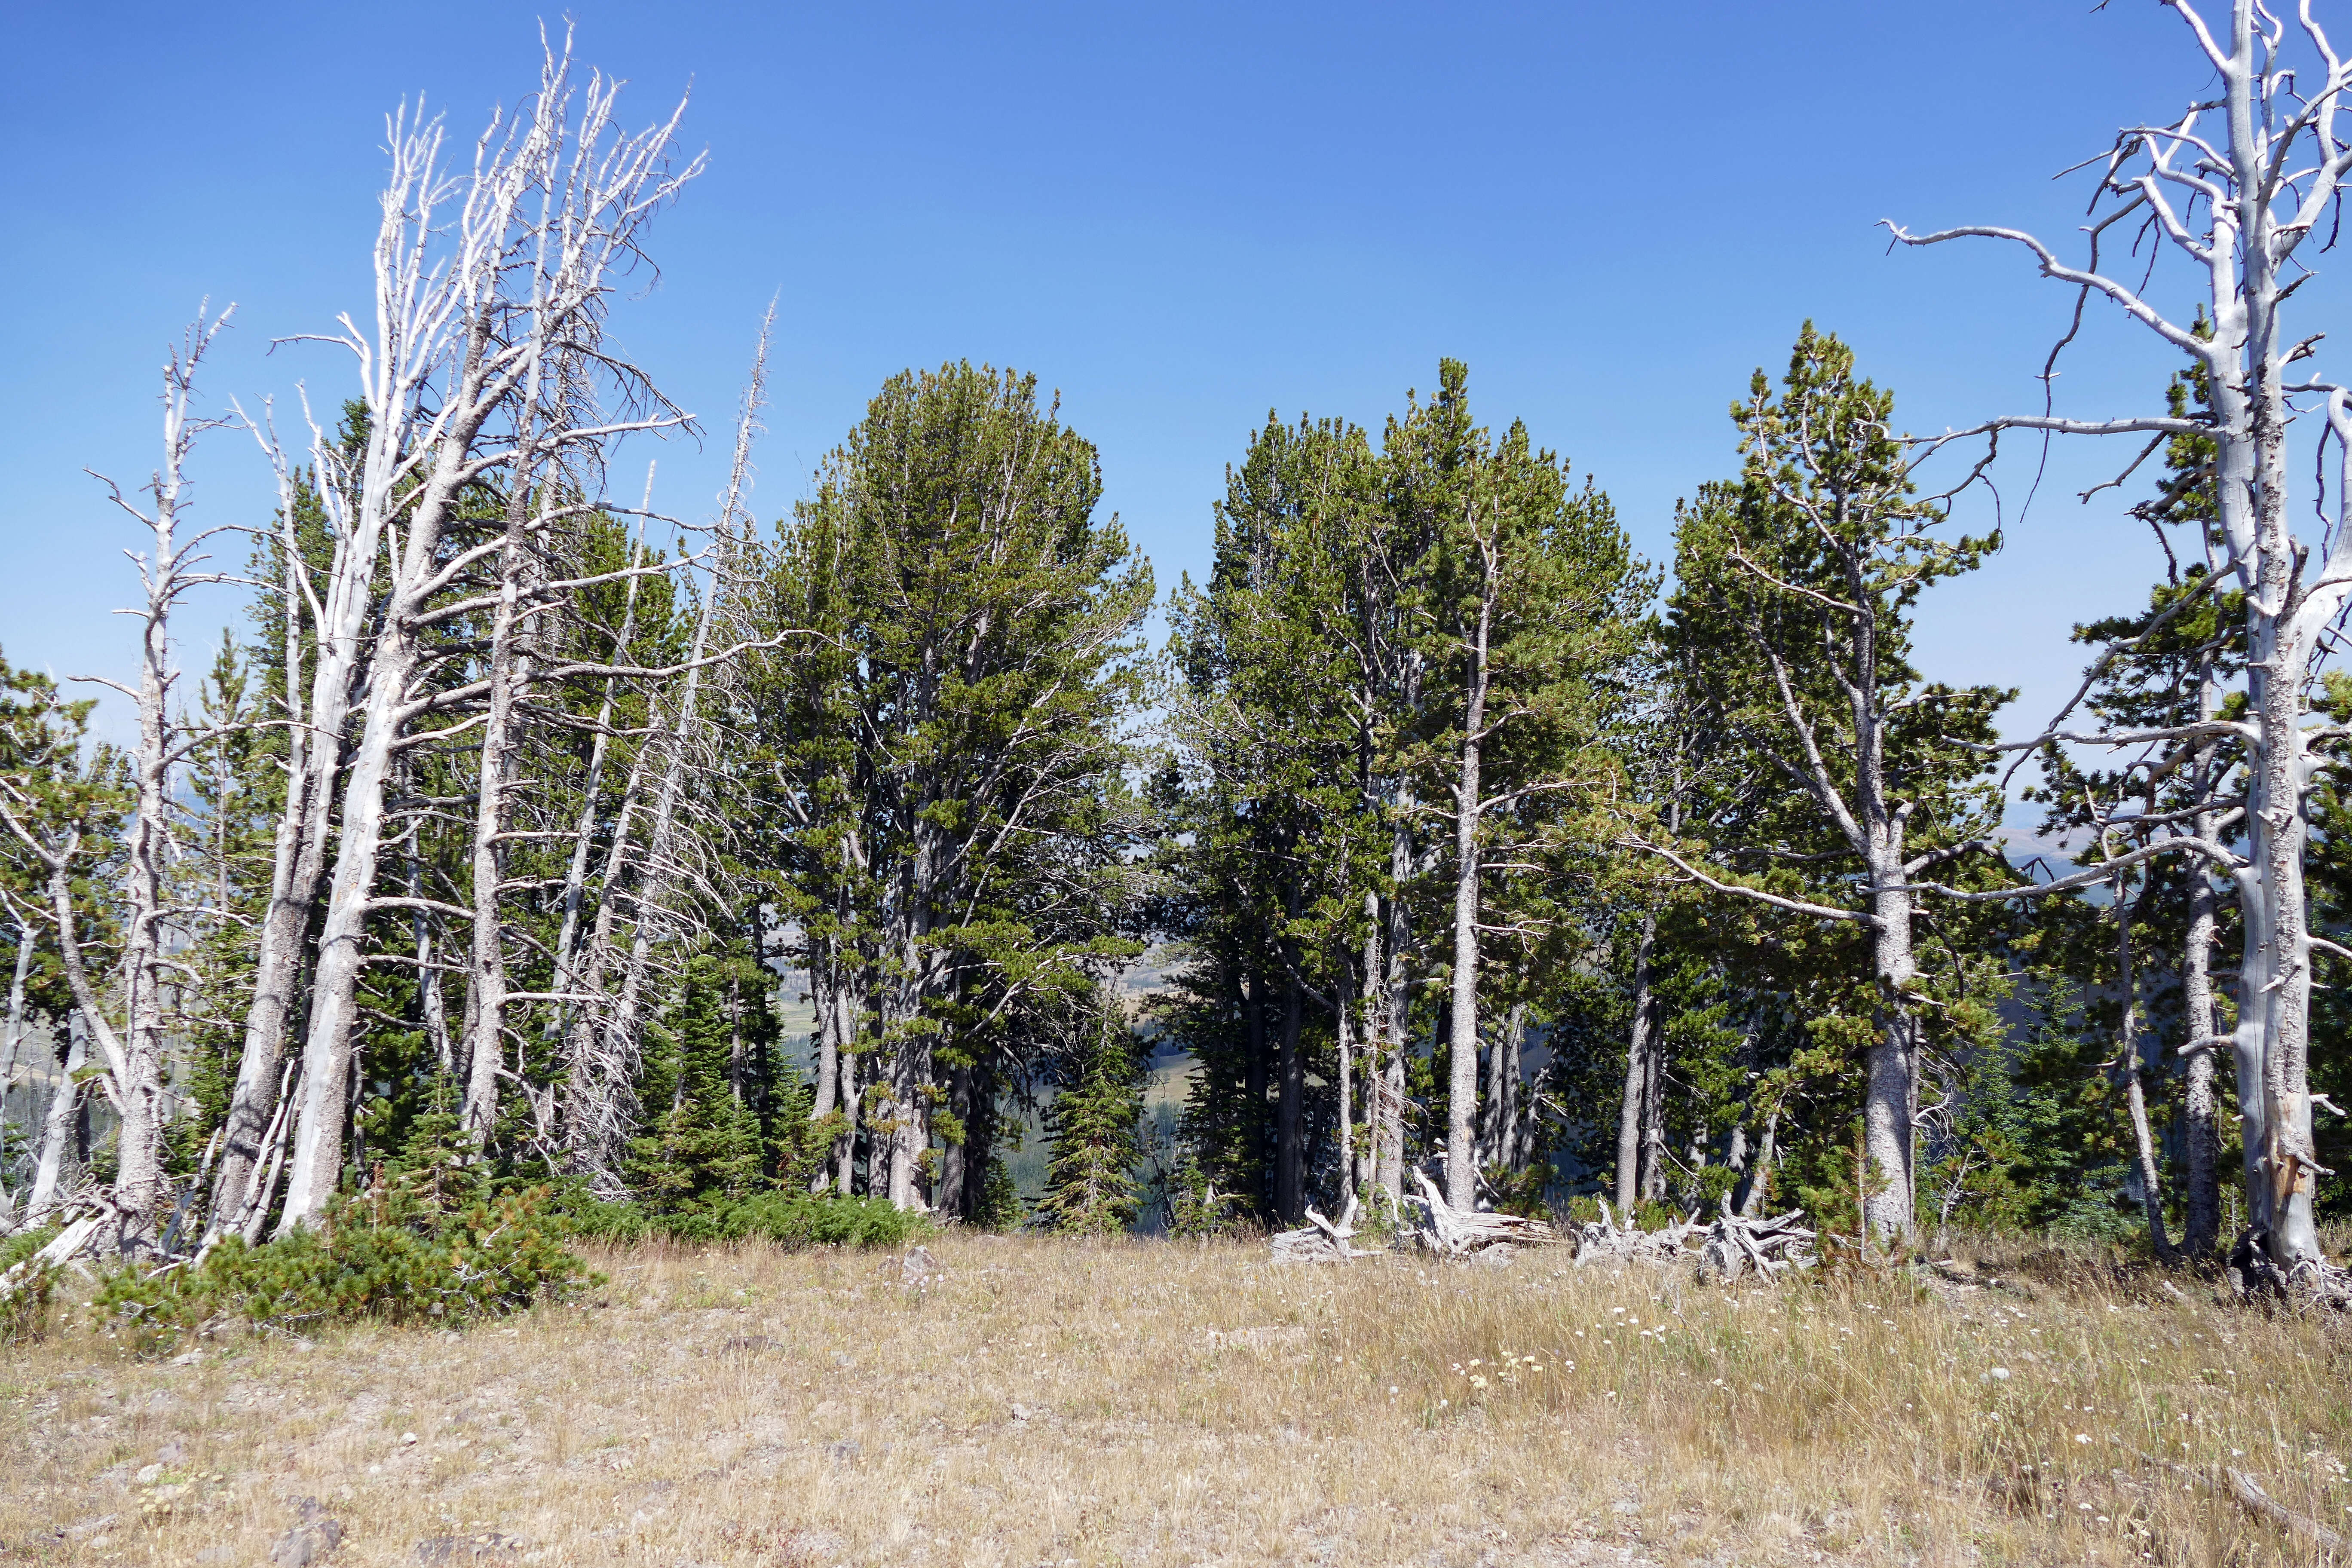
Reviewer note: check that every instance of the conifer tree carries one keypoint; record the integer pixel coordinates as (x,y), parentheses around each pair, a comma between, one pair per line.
(952,787)
(1092,1187)
(1796,590)
(701,1146)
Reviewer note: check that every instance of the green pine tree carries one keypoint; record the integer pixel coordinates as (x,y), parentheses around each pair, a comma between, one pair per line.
(1091,1186)
(701,1148)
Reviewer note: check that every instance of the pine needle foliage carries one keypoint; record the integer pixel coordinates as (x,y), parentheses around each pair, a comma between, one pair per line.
(1091,1186)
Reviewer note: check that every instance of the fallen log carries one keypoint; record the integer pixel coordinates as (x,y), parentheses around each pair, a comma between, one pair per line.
(2250,1496)
(1458,1232)
(1319,1240)
(1731,1246)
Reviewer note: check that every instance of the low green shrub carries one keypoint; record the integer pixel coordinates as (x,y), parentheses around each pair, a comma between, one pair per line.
(25,1304)
(388,1253)
(1198,1212)
(787,1219)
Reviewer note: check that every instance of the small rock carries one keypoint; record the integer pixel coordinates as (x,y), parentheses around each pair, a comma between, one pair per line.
(311,1540)
(1021,1413)
(844,1451)
(172,1452)
(188,1357)
(919,1270)
(406,1438)
(747,1344)
(149,1475)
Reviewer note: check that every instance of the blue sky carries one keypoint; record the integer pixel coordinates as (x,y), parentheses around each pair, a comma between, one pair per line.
(1180,216)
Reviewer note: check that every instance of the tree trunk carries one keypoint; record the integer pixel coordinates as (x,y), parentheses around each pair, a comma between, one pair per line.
(2128,1050)
(2201,1022)
(332,1042)
(1289,1144)
(1891,1067)
(1343,1035)
(598,1069)
(957,1186)
(56,1133)
(15,1034)
(1759,1170)
(845,1147)
(1630,1114)
(1389,1156)
(1462,1085)
(299,849)
(568,937)
(1519,1087)
(509,674)
(826,1040)
(432,1008)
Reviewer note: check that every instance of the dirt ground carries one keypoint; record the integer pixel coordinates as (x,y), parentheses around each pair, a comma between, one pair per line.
(1043,1402)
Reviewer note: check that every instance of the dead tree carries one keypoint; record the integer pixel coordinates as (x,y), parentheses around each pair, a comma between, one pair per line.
(678,737)
(134,1054)
(552,215)
(2243,187)
(572,998)
(335,621)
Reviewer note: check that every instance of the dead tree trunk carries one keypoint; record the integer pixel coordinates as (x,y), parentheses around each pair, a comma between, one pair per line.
(2237,188)
(678,739)
(2127,1057)
(1633,1112)
(314,750)
(57,1132)
(2201,1028)
(457,317)
(1469,805)
(509,676)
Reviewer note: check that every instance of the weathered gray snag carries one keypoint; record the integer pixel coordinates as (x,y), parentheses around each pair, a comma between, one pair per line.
(2236,189)
(554,211)
(133,1055)
(677,740)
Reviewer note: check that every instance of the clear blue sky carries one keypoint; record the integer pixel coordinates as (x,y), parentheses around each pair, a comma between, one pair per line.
(1179,216)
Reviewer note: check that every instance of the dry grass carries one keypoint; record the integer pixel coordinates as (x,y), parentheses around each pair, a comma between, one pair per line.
(1060,1404)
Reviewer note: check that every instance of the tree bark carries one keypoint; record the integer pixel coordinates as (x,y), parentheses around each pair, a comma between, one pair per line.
(1289,1144)
(1395,1019)
(1630,1112)
(2200,1021)
(15,1033)
(1469,804)
(1759,1170)
(569,1010)
(509,674)
(1891,1069)
(56,1133)
(314,747)
(1343,1030)
(2128,1050)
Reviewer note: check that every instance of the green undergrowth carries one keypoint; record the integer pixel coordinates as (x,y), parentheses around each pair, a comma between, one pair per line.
(25,1298)
(394,1253)
(785,1219)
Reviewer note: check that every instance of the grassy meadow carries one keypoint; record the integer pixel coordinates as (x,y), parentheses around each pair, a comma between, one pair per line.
(1047,1402)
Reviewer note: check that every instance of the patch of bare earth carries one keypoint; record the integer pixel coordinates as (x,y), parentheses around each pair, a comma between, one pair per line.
(1069,1404)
